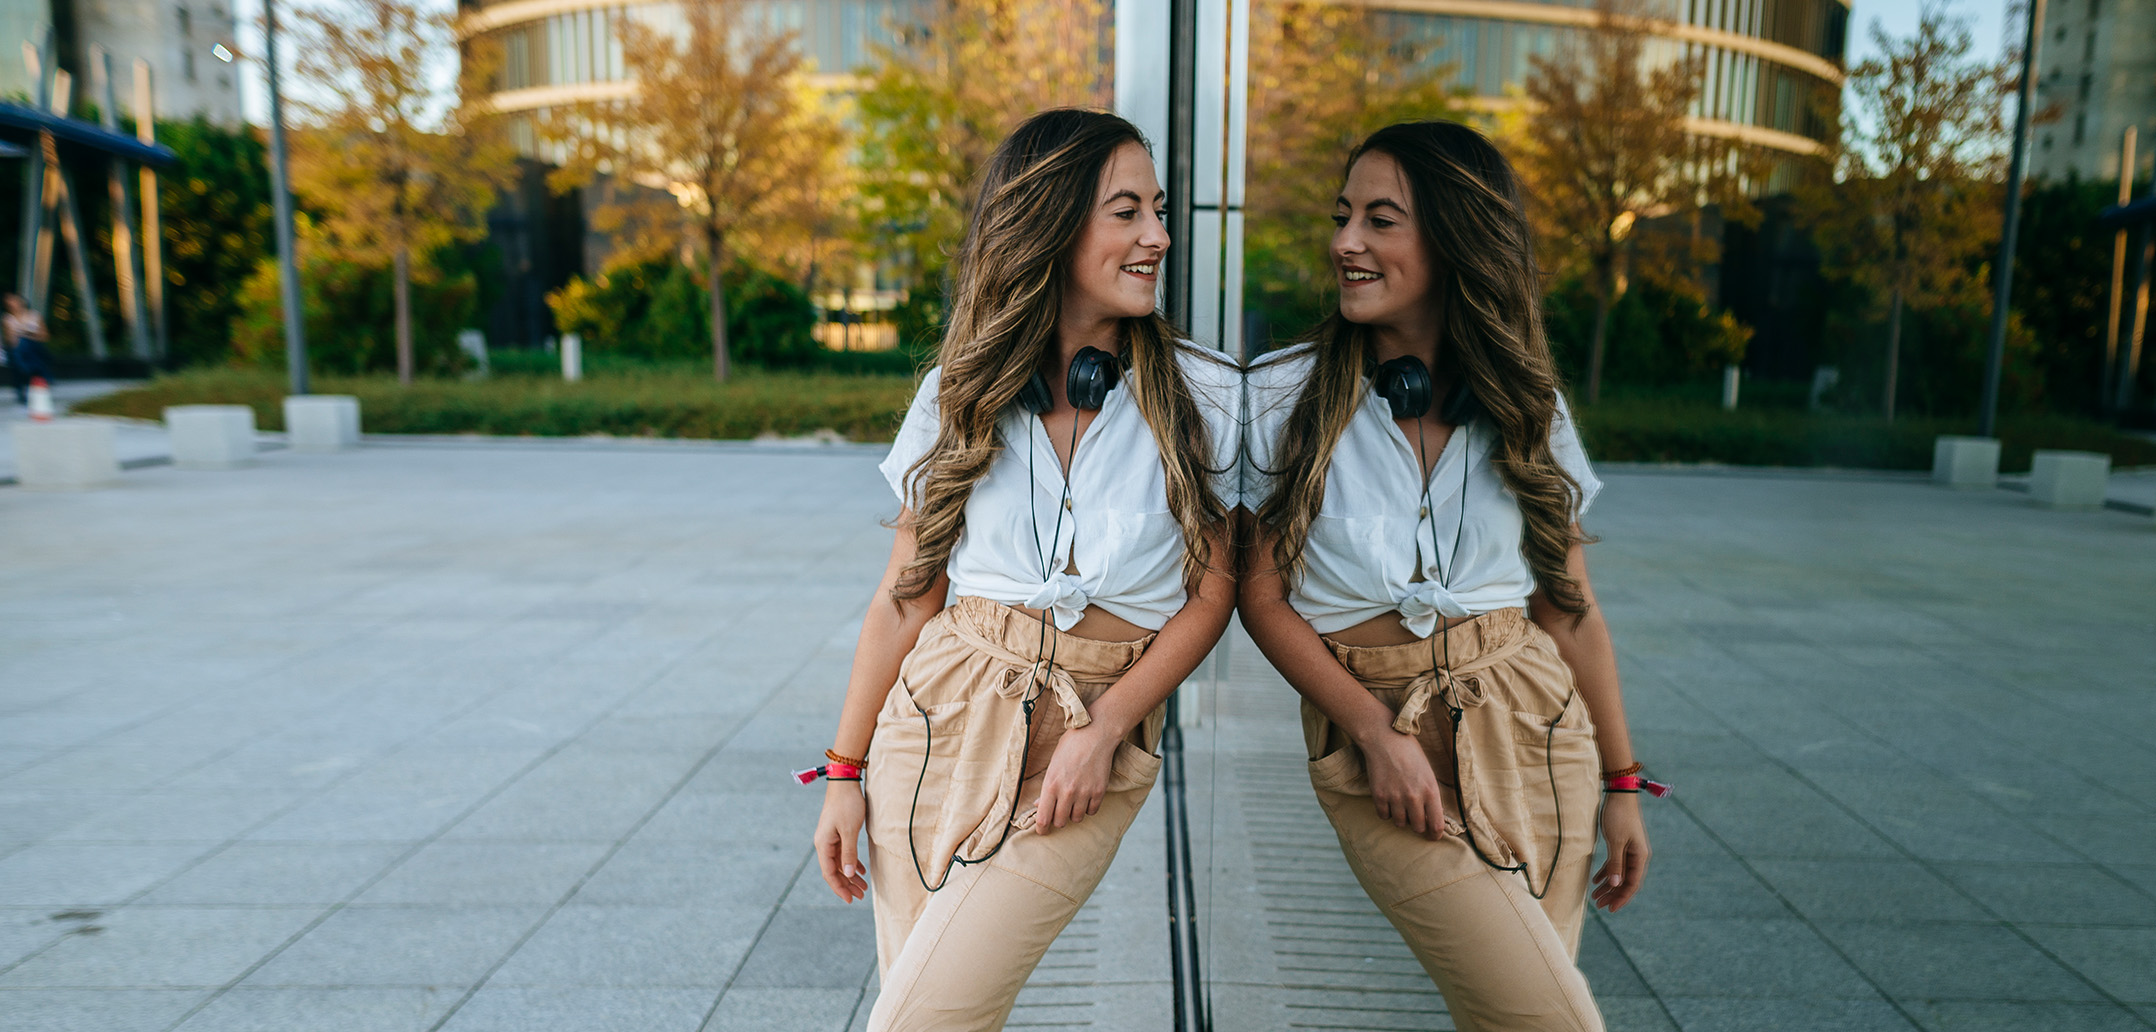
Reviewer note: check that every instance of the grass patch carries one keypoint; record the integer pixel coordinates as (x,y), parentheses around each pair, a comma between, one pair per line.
(656,403)
(1669,430)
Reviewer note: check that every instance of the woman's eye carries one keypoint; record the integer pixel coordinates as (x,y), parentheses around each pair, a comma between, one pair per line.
(1162,214)
(1340,221)
(1126,215)
(1380,222)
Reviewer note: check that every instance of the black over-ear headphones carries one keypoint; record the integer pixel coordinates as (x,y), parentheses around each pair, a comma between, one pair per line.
(1404,383)
(1093,374)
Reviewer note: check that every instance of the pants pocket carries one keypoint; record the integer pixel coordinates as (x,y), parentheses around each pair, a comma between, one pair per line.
(1133,769)
(1341,771)
(912,760)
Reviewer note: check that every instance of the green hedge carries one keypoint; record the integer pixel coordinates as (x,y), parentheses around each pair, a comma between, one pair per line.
(683,402)
(656,404)
(1668,430)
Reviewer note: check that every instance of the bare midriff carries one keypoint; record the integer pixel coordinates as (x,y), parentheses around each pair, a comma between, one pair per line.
(1098,624)
(1385,629)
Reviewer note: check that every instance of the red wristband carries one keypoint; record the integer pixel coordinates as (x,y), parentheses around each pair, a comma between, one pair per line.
(1635,783)
(829,771)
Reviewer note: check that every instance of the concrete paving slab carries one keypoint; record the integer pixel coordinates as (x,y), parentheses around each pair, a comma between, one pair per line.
(1955,961)
(412,946)
(106,1010)
(581,1009)
(786,1010)
(589,945)
(1982,1016)
(346,1010)
(483,873)
(278,874)
(1709,1014)
(162,946)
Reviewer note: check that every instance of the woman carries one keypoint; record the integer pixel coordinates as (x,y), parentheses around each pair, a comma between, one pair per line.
(1415,571)
(1060,473)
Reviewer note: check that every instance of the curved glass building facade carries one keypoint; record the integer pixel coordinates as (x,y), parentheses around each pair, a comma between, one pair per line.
(1770,68)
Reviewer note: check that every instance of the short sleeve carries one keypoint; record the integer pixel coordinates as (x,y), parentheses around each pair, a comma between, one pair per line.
(1565,446)
(915,437)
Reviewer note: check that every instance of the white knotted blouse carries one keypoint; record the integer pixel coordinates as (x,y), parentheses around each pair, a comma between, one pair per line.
(1371,548)
(1116,545)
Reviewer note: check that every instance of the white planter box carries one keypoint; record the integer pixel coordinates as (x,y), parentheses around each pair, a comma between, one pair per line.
(1965,462)
(211,436)
(66,453)
(2070,479)
(321,422)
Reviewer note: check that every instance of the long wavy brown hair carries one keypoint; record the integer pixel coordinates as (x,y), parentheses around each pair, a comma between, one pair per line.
(1469,205)
(1035,198)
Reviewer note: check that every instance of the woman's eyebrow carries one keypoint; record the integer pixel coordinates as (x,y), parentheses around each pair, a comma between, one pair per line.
(1388,202)
(1120,194)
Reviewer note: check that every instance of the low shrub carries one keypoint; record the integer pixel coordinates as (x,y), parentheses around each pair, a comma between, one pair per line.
(645,404)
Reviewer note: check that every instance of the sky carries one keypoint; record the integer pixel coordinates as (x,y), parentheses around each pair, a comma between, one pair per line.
(1899,17)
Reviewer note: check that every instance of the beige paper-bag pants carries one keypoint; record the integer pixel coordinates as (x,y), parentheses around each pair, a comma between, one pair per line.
(1504,959)
(944,776)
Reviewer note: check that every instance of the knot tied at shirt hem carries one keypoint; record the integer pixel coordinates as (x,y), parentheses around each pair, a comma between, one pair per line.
(1422,605)
(1063,598)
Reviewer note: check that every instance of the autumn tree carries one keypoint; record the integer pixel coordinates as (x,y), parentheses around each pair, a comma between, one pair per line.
(1603,143)
(1915,207)
(720,133)
(961,75)
(1322,77)
(395,164)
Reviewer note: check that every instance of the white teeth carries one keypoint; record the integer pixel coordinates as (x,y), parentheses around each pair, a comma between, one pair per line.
(1142,270)
(1361,275)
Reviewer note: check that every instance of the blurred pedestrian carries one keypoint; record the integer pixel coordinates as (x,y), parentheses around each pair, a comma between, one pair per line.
(27,356)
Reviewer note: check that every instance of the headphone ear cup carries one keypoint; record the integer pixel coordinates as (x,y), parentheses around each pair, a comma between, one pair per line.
(1034,396)
(1404,383)
(1093,374)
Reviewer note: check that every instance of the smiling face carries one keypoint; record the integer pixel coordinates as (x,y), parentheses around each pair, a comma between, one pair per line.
(1382,264)
(1115,265)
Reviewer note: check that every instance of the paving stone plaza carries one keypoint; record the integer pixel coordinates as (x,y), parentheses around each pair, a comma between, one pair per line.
(493,736)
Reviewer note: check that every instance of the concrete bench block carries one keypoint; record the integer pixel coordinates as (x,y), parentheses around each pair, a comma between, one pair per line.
(2070,479)
(1965,462)
(211,436)
(321,422)
(66,453)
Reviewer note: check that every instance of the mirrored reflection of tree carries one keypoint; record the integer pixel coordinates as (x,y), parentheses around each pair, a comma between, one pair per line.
(960,75)
(1322,76)
(722,144)
(395,164)
(1603,141)
(1913,208)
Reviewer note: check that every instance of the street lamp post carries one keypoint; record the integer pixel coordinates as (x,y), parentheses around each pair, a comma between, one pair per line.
(295,335)
(2003,283)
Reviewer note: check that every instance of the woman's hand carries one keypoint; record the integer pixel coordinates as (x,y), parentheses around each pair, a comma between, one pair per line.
(838,839)
(1077,777)
(1403,785)
(1626,837)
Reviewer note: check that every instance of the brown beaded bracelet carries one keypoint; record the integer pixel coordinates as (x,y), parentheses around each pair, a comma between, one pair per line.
(1624,772)
(834,757)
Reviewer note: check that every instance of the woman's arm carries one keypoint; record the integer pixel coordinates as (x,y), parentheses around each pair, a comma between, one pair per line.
(1077,776)
(1584,644)
(888,632)
(1402,784)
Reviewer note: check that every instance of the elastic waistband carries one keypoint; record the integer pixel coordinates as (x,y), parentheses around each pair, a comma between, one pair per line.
(1483,641)
(1017,638)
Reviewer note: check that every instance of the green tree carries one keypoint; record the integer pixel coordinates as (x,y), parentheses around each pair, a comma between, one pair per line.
(722,139)
(1322,77)
(1603,144)
(962,74)
(214,208)
(397,165)
(1914,206)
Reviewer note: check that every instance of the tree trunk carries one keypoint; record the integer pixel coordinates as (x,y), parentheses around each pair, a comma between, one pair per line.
(1893,350)
(715,246)
(1603,289)
(403,267)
